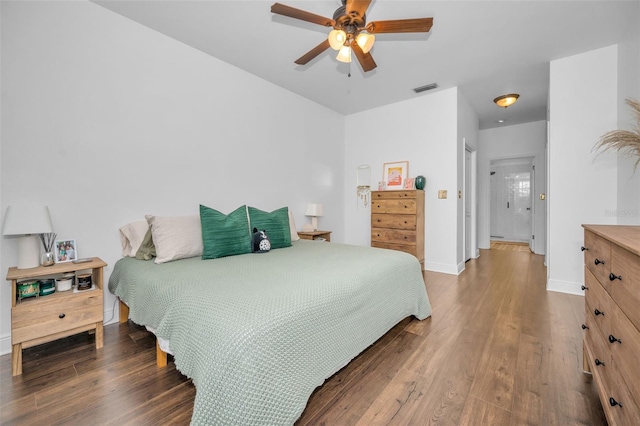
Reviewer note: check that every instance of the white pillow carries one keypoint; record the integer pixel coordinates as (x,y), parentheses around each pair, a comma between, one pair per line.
(176,237)
(131,236)
(292,227)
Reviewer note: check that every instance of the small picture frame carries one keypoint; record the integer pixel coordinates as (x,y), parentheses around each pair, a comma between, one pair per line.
(410,183)
(65,250)
(394,174)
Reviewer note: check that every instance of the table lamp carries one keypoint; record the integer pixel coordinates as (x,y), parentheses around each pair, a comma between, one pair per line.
(27,222)
(313,211)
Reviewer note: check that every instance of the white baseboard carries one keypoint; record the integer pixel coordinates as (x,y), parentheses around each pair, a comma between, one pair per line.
(441,267)
(565,287)
(5,344)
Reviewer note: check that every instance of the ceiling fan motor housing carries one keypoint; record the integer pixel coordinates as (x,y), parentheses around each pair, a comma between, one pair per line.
(351,24)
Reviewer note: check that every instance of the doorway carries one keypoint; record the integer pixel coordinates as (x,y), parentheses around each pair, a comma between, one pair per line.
(511,195)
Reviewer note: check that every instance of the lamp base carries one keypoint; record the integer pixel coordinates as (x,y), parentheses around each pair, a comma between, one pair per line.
(28,252)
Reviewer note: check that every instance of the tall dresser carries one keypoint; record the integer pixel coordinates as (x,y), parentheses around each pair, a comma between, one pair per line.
(612,318)
(397,221)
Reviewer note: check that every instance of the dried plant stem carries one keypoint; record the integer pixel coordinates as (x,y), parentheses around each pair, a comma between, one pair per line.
(624,141)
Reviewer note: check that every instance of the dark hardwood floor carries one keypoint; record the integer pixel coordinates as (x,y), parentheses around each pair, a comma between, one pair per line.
(498,350)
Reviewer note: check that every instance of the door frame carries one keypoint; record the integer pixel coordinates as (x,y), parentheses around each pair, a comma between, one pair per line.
(472,193)
(535,161)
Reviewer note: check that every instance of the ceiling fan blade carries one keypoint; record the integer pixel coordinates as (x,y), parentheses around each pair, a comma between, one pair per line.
(366,60)
(358,6)
(292,12)
(418,25)
(313,53)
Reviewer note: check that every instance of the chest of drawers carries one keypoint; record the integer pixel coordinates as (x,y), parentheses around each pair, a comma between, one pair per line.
(397,221)
(611,345)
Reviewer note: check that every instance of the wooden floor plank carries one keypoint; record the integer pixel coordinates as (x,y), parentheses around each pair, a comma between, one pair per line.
(498,349)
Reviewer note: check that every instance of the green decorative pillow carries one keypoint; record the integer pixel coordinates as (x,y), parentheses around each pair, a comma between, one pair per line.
(276,224)
(224,235)
(147,250)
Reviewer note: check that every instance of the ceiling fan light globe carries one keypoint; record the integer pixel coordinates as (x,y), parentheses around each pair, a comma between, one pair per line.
(365,41)
(336,39)
(344,55)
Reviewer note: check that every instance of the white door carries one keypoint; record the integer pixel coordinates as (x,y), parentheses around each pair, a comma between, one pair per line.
(511,218)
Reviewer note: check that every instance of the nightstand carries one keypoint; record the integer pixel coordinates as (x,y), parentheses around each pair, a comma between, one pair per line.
(315,235)
(42,319)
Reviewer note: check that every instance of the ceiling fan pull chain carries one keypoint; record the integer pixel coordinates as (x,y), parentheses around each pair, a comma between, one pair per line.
(349,75)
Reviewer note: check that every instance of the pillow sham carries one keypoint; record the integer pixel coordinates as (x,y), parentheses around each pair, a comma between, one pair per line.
(292,228)
(175,237)
(224,235)
(147,250)
(275,223)
(131,236)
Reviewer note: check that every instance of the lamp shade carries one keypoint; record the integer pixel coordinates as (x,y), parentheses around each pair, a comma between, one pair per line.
(25,220)
(336,39)
(344,55)
(314,210)
(365,41)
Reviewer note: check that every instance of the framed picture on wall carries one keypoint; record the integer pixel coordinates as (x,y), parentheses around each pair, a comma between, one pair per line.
(66,250)
(394,174)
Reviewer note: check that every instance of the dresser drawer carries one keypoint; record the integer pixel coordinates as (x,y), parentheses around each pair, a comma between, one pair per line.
(400,247)
(625,352)
(35,320)
(625,291)
(628,412)
(597,257)
(394,195)
(394,206)
(393,221)
(598,303)
(599,347)
(393,236)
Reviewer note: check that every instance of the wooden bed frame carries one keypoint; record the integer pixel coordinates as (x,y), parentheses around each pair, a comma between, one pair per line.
(161,356)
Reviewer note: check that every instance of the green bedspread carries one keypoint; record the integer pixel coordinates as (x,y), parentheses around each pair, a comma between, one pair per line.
(258,333)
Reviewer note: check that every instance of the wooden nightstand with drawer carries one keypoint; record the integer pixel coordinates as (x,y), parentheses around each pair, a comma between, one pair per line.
(315,235)
(42,319)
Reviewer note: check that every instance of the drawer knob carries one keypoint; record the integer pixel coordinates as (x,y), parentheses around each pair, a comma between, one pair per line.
(613,403)
(597,312)
(598,261)
(598,362)
(61,316)
(613,277)
(584,327)
(583,248)
(584,288)
(613,339)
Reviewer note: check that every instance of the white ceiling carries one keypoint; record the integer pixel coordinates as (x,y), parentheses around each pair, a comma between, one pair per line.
(486,48)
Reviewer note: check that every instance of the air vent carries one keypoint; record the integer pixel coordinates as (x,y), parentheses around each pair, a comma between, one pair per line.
(425,88)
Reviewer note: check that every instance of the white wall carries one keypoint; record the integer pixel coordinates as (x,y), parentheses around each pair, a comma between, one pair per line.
(520,140)
(105,120)
(582,188)
(628,208)
(424,132)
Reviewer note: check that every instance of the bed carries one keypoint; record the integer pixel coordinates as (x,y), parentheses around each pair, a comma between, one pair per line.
(257,333)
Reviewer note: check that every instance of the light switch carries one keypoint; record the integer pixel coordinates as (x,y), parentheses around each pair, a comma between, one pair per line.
(442,193)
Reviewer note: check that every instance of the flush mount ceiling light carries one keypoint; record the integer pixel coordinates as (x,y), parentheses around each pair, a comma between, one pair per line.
(351,33)
(505,101)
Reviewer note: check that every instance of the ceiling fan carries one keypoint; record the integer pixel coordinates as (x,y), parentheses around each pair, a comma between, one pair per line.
(351,33)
